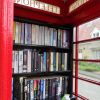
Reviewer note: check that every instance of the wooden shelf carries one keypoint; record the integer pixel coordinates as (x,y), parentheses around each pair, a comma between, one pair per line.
(43,48)
(42,74)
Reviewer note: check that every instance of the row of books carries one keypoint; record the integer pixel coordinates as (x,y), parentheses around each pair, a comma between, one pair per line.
(26,33)
(28,60)
(39,89)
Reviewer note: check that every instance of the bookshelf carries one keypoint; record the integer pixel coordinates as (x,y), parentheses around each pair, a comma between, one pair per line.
(55,73)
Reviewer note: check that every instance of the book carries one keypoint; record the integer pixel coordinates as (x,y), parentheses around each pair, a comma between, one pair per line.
(20,60)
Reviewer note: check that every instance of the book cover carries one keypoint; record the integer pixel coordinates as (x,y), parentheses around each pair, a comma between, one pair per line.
(20,60)
(25,60)
(28,33)
(51,37)
(29,60)
(54,37)
(31,90)
(14,32)
(51,61)
(33,34)
(48,62)
(65,62)
(42,35)
(22,33)
(18,32)
(16,62)
(59,38)
(54,61)
(44,62)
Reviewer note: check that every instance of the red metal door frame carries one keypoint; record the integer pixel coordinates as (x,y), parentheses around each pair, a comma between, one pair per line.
(6,43)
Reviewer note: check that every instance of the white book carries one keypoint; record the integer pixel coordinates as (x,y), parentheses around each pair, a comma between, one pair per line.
(43,35)
(16,62)
(31,90)
(20,61)
(29,61)
(44,89)
(18,32)
(13,62)
(33,34)
(46,35)
(51,61)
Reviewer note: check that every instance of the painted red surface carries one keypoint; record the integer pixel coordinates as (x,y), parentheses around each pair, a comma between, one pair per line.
(6,26)
(83,14)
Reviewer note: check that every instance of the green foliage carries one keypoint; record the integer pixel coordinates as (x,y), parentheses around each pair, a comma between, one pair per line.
(85,66)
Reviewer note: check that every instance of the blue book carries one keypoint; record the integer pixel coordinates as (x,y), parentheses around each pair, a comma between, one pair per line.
(44,61)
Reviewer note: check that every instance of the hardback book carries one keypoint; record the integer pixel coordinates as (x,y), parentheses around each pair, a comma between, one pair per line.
(59,38)
(34,34)
(22,41)
(42,35)
(51,61)
(14,32)
(65,39)
(51,37)
(25,60)
(29,60)
(16,62)
(46,35)
(28,33)
(44,62)
(37,34)
(48,61)
(54,37)
(57,61)
(20,60)
(44,87)
(13,62)
(65,62)
(18,32)
(31,90)
(54,61)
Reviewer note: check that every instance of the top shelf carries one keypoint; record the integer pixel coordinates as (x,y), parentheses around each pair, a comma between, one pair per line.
(18,46)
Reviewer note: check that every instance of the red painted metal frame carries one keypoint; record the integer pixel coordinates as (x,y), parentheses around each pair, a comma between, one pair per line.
(88,60)
(87,80)
(81,97)
(88,40)
(6,45)
(76,63)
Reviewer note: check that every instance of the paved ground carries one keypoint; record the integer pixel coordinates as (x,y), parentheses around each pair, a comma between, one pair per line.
(91,91)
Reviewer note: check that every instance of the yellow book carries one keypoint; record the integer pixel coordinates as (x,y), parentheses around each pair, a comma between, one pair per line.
(14,31)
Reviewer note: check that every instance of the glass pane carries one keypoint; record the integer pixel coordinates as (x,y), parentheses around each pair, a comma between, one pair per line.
(90,69)
(89,50)
(74,50)
(89,30)
(88,90)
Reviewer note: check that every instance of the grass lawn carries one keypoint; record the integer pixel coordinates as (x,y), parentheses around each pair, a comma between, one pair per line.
(89,66)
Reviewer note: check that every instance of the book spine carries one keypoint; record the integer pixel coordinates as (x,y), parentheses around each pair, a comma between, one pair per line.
(33,34)
(51,61)
(44,61)
(16,62)
(25,60)
(20,60)
(22,33)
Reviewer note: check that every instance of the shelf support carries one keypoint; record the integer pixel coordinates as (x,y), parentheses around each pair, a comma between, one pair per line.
(6,44)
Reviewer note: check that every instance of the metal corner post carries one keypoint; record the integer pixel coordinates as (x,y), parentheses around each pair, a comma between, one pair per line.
(6,45)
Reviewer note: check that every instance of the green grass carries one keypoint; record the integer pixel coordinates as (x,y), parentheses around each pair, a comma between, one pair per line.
(89,66)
